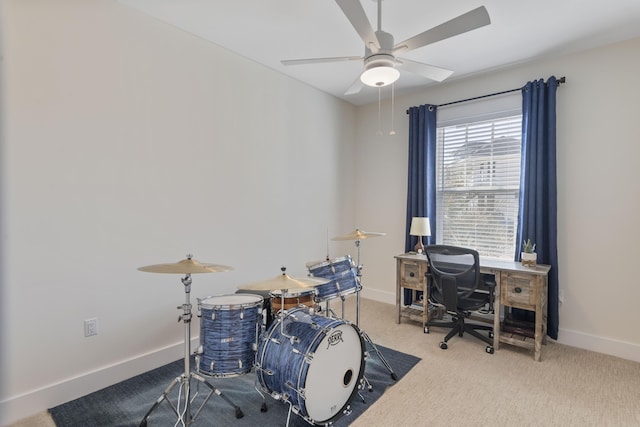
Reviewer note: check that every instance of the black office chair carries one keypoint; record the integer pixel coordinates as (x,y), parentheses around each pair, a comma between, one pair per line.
(455,282)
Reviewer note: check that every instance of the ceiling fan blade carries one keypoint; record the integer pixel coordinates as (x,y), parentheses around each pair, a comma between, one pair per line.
(429,71)
(358,18)
(466,22)
(319,60)
(355,87)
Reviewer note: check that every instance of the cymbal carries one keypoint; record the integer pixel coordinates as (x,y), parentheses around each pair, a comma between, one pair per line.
(359,235)
(282,281)
(186,266)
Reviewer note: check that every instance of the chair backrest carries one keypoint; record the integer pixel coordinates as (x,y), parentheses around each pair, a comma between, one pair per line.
(455,273)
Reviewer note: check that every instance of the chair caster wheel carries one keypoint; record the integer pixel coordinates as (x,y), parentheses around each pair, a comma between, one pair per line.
(263,407)
(239,413)
(489,349)
(426,329)
(443,345)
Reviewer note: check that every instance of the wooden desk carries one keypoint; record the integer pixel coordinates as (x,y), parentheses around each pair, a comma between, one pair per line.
(516,286)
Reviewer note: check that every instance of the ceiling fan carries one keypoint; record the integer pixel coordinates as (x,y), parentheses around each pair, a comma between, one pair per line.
(380,62)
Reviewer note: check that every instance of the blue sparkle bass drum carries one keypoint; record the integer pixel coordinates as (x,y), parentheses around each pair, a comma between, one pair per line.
(314,363)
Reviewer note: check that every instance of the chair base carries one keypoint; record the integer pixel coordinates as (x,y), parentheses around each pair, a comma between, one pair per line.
(459,327)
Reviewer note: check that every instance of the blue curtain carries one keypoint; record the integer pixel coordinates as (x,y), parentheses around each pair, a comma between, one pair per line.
(421,188)
(537,218)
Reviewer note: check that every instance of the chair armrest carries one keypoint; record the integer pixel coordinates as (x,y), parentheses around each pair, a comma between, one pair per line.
(489,281)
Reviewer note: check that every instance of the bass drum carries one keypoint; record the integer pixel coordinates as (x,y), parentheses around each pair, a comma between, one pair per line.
(320,372)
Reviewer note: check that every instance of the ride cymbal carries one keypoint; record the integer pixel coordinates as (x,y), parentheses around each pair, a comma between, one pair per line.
(282,281)
(359,235)
(186,266)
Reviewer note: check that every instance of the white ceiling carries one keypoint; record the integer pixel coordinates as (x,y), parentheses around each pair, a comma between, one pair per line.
(268,31)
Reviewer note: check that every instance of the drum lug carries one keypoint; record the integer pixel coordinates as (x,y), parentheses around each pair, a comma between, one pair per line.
(276,396)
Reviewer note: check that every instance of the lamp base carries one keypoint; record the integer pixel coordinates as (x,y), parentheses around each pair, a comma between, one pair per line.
(419,248)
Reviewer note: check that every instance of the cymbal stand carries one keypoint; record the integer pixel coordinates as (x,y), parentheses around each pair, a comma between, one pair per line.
(185,418)
(362,332)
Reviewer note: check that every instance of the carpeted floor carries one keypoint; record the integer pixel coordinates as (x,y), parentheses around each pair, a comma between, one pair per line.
(464,385)
(126,403)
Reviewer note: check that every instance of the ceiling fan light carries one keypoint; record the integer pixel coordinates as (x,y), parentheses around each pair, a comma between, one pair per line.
(379,76)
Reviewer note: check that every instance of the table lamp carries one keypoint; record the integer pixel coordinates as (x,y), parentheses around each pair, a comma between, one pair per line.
(420,227)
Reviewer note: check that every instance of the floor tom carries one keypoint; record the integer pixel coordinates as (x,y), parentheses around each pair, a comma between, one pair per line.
(230,327)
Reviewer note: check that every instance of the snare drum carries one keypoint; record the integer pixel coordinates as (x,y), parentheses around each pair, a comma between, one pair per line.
(341,273)
(230,326)
(292,299)
(319,372)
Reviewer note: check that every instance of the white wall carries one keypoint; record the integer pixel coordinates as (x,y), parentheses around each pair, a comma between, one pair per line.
(128,143)
(598,188)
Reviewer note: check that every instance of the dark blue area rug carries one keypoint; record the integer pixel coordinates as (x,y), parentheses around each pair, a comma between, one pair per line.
(126,403)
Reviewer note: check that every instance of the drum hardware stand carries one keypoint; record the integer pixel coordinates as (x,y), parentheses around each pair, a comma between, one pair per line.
(362,332)
(185,378)
(263,407)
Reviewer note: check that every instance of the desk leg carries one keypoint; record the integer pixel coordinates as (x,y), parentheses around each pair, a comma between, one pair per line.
(398,291)
(497,308)
(540,332)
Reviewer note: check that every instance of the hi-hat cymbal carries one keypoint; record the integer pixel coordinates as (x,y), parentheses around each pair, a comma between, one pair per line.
(186,266)
(359,235)
(282,281)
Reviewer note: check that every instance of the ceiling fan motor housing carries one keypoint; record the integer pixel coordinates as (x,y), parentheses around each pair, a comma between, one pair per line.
(379,70)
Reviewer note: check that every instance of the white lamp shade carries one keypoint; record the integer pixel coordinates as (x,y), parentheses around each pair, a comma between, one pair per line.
(379,76)
(420,226)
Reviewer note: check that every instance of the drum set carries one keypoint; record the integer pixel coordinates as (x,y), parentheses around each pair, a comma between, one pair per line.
(302,354)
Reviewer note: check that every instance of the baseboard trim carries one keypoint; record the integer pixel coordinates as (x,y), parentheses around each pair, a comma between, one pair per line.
(612,347)
(380,296)
(32,402)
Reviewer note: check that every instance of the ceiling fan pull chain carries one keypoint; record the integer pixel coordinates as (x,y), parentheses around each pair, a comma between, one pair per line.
(379,109)
(393,86)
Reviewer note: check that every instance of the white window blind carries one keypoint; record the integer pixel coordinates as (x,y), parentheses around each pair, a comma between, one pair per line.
(478,173)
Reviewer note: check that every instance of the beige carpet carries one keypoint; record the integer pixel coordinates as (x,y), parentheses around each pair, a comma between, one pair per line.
(463,385)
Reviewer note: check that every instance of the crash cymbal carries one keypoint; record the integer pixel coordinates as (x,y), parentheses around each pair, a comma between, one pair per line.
(359,235)
(186,266)
(282,281)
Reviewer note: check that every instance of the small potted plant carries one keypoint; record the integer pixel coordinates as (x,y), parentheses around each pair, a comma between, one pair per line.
(528,255)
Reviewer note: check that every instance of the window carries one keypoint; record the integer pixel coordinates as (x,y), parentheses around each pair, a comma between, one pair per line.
(478,174)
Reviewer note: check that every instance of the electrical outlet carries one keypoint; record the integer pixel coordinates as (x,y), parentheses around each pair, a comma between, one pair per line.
(90,327)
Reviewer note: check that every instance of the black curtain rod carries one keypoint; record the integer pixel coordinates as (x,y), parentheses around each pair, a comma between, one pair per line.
(559,81)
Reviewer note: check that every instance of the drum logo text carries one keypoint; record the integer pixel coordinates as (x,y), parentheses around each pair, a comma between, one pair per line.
(334,338)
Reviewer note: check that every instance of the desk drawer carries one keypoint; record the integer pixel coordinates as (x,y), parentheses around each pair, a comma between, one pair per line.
(518,290)
(412,275)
